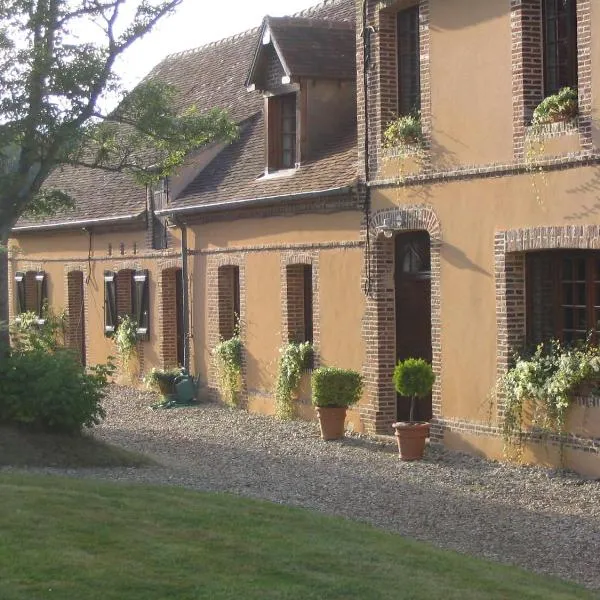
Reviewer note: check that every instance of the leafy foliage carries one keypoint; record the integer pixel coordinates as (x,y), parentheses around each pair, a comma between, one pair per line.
(228,363)
(561,106)
(43,385)
(414,378)
(404,131)
(294,358)
(51,391)
(55,85)
(28,332)
(336,387)
(126,339)
(546,382)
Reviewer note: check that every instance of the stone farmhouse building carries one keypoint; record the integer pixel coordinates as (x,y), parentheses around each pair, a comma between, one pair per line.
(483,240)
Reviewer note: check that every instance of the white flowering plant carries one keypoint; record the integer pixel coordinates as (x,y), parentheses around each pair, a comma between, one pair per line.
(547,380)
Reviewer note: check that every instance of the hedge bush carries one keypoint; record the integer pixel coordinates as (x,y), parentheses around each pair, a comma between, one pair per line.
(336,387)
(51,391)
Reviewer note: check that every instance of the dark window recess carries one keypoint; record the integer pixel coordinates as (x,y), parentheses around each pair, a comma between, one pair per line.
(21,304)
(563,296)
(142,304)
(229,301)
(560,45)
(282,132)
(409,61)
(308,304)
(110,302)
(299,303)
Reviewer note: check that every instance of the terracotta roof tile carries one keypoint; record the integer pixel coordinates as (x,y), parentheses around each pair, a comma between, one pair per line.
(238,172)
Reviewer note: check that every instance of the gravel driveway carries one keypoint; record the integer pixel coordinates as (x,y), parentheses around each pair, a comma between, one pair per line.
(531,517)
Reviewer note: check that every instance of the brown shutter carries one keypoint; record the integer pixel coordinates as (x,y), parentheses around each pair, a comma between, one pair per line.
(142,304)
(110,303)
(41,294)
(274,133)
(20,292)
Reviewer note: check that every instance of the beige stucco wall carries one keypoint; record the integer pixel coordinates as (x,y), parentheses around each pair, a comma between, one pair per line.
(468,294)
(470,213)
(75,244)
(262,241)
(472,116)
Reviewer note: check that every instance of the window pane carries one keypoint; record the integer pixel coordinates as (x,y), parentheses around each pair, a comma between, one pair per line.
(409,61)
(560,44)
(581,294)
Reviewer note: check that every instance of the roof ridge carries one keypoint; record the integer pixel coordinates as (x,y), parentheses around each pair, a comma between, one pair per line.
(312,9)
(214,44)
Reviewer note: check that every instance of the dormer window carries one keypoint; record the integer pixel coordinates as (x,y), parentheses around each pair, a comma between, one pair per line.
(281,132)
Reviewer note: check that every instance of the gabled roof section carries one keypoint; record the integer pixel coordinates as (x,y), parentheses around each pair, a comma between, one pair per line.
(305,47)
(210,76)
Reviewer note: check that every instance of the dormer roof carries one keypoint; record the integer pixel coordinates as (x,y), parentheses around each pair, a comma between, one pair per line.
(305,48)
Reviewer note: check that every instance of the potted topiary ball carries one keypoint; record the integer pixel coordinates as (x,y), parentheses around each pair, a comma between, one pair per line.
(414,378)
(333,390)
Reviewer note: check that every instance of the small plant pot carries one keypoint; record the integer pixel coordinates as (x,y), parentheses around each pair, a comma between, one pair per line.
(332,420)
(411,439)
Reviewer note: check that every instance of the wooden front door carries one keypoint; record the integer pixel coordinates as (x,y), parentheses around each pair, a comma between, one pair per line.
(413,310)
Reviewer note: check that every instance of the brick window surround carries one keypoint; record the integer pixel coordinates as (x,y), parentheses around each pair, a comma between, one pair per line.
(383,73)
(76,281)
(167,294)
(379,331)
(75,335)
(510,249)
(528,69)
(292,297)
(220,323)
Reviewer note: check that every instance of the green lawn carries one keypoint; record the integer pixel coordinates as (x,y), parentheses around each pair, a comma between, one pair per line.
(68,539)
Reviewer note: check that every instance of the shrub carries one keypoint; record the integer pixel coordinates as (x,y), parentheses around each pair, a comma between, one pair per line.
(414,378)
(547,380)
(561,106)
(336,387)
(51,391)
(29,332)
(404,131)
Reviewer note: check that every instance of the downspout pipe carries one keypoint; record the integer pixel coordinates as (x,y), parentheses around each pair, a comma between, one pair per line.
(367,32)
(185,293)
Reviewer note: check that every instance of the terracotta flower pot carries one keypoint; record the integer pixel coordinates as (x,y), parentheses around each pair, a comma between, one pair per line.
(411,439)
(332,420)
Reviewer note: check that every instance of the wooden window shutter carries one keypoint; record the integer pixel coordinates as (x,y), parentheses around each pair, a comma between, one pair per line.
(274,133)
(142,303)
(20,292)
(41,294)
(110,302)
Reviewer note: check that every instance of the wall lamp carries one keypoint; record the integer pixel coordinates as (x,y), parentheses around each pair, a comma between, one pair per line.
(389,226)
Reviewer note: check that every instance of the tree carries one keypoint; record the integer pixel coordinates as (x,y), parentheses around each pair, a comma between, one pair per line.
(52,89)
